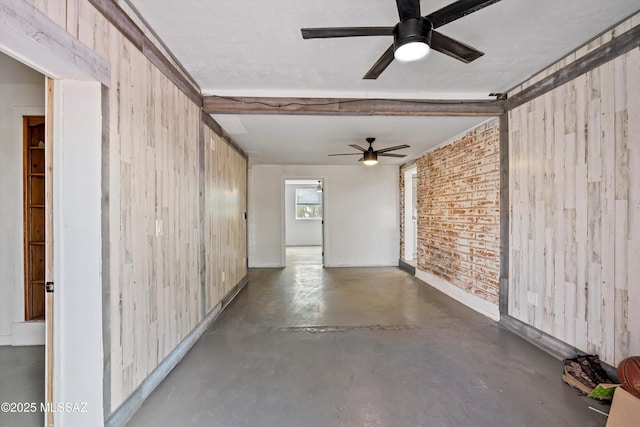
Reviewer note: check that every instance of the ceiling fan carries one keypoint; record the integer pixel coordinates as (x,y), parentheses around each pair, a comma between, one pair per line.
(414,35)
(370,156)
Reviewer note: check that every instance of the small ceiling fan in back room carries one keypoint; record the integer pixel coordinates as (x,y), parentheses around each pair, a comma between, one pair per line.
(414,36)
(370,156)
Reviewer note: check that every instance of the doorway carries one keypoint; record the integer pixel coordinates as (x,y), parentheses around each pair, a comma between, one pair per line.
(410,252)
(304,221)
(34,218)
(22,247)
(74,107)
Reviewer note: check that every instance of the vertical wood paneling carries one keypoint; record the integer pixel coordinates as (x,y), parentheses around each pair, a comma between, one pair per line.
(155,281)
(154,235)
(631,135)
(225,205)
(608,154)
(55,9)
(575,210)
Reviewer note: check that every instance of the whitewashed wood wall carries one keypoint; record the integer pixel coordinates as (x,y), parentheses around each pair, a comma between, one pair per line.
(225,206)
(154,243)
(575,207)
(154,166)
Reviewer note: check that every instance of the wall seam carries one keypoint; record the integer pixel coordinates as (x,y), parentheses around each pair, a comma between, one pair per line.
(106,256)
(503,296)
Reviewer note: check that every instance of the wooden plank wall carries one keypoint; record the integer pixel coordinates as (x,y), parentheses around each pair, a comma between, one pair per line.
(154,240)
(154,137)
(575,207)
(225,226)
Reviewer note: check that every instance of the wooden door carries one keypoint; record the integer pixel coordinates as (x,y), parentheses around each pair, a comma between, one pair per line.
(34,216)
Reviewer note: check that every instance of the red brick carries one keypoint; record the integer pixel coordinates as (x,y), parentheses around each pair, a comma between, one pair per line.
(458,211)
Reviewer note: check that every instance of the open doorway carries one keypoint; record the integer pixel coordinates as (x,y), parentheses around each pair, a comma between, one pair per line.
(33,191)
(70,89)
(304,221)
(410,251)
(22,247)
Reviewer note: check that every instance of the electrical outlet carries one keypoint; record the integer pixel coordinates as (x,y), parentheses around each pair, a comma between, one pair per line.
(158,227)
(222,276)
(532,298)
(212,143)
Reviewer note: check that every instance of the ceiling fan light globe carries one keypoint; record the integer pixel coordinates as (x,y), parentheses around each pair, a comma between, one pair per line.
(411,51)
(370,158)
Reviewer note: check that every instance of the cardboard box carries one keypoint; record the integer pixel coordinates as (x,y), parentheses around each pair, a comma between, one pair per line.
(625,409)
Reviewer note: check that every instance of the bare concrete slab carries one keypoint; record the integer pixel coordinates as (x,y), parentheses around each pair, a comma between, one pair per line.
(21,384)
(308,346)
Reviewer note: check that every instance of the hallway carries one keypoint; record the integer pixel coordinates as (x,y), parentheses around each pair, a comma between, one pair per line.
(307,346)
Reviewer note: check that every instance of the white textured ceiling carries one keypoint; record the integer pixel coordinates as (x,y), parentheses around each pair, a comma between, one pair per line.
(254,48)
(272,139)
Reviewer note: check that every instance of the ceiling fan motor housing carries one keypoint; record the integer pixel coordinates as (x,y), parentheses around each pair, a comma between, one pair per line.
(370,156)
(412,30)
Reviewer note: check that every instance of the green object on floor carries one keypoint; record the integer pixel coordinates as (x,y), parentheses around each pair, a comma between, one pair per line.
(603,391)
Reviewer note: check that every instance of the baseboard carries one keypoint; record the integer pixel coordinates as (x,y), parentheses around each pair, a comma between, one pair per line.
(234,291)
(27,333)
(402,265)
(472,301)
(550,344)
(128,408)
(393,263)
(547,343)
(542,340)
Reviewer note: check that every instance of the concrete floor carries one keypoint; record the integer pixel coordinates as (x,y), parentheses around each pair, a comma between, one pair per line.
(304,255)
(22,380)
(312,346)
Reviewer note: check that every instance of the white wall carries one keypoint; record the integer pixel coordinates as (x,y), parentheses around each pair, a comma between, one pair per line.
(21,93)
(300,232)
(361,213)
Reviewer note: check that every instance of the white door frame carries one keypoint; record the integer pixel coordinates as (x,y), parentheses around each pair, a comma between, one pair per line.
(283,218)
(75,101)
(77,245)
(409,225)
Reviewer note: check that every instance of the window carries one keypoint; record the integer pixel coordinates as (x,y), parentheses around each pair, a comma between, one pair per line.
(308,203)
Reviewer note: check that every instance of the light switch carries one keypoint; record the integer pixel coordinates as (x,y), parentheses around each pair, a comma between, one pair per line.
(532,298)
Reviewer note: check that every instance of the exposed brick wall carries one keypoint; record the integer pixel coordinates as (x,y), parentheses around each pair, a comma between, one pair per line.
(458,212)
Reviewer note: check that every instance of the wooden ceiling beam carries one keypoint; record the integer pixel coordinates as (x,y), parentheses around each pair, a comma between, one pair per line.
(351,106)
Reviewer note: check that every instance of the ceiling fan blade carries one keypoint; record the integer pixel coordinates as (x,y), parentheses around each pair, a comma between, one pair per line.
(391,155)
(361,159)
(357,147)
(408,9)
(381,64)
(396,147)
(346,154)
(454,48)
(325,33)
(457,10)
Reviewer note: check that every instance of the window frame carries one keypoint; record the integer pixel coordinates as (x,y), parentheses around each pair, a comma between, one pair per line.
(296,203)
